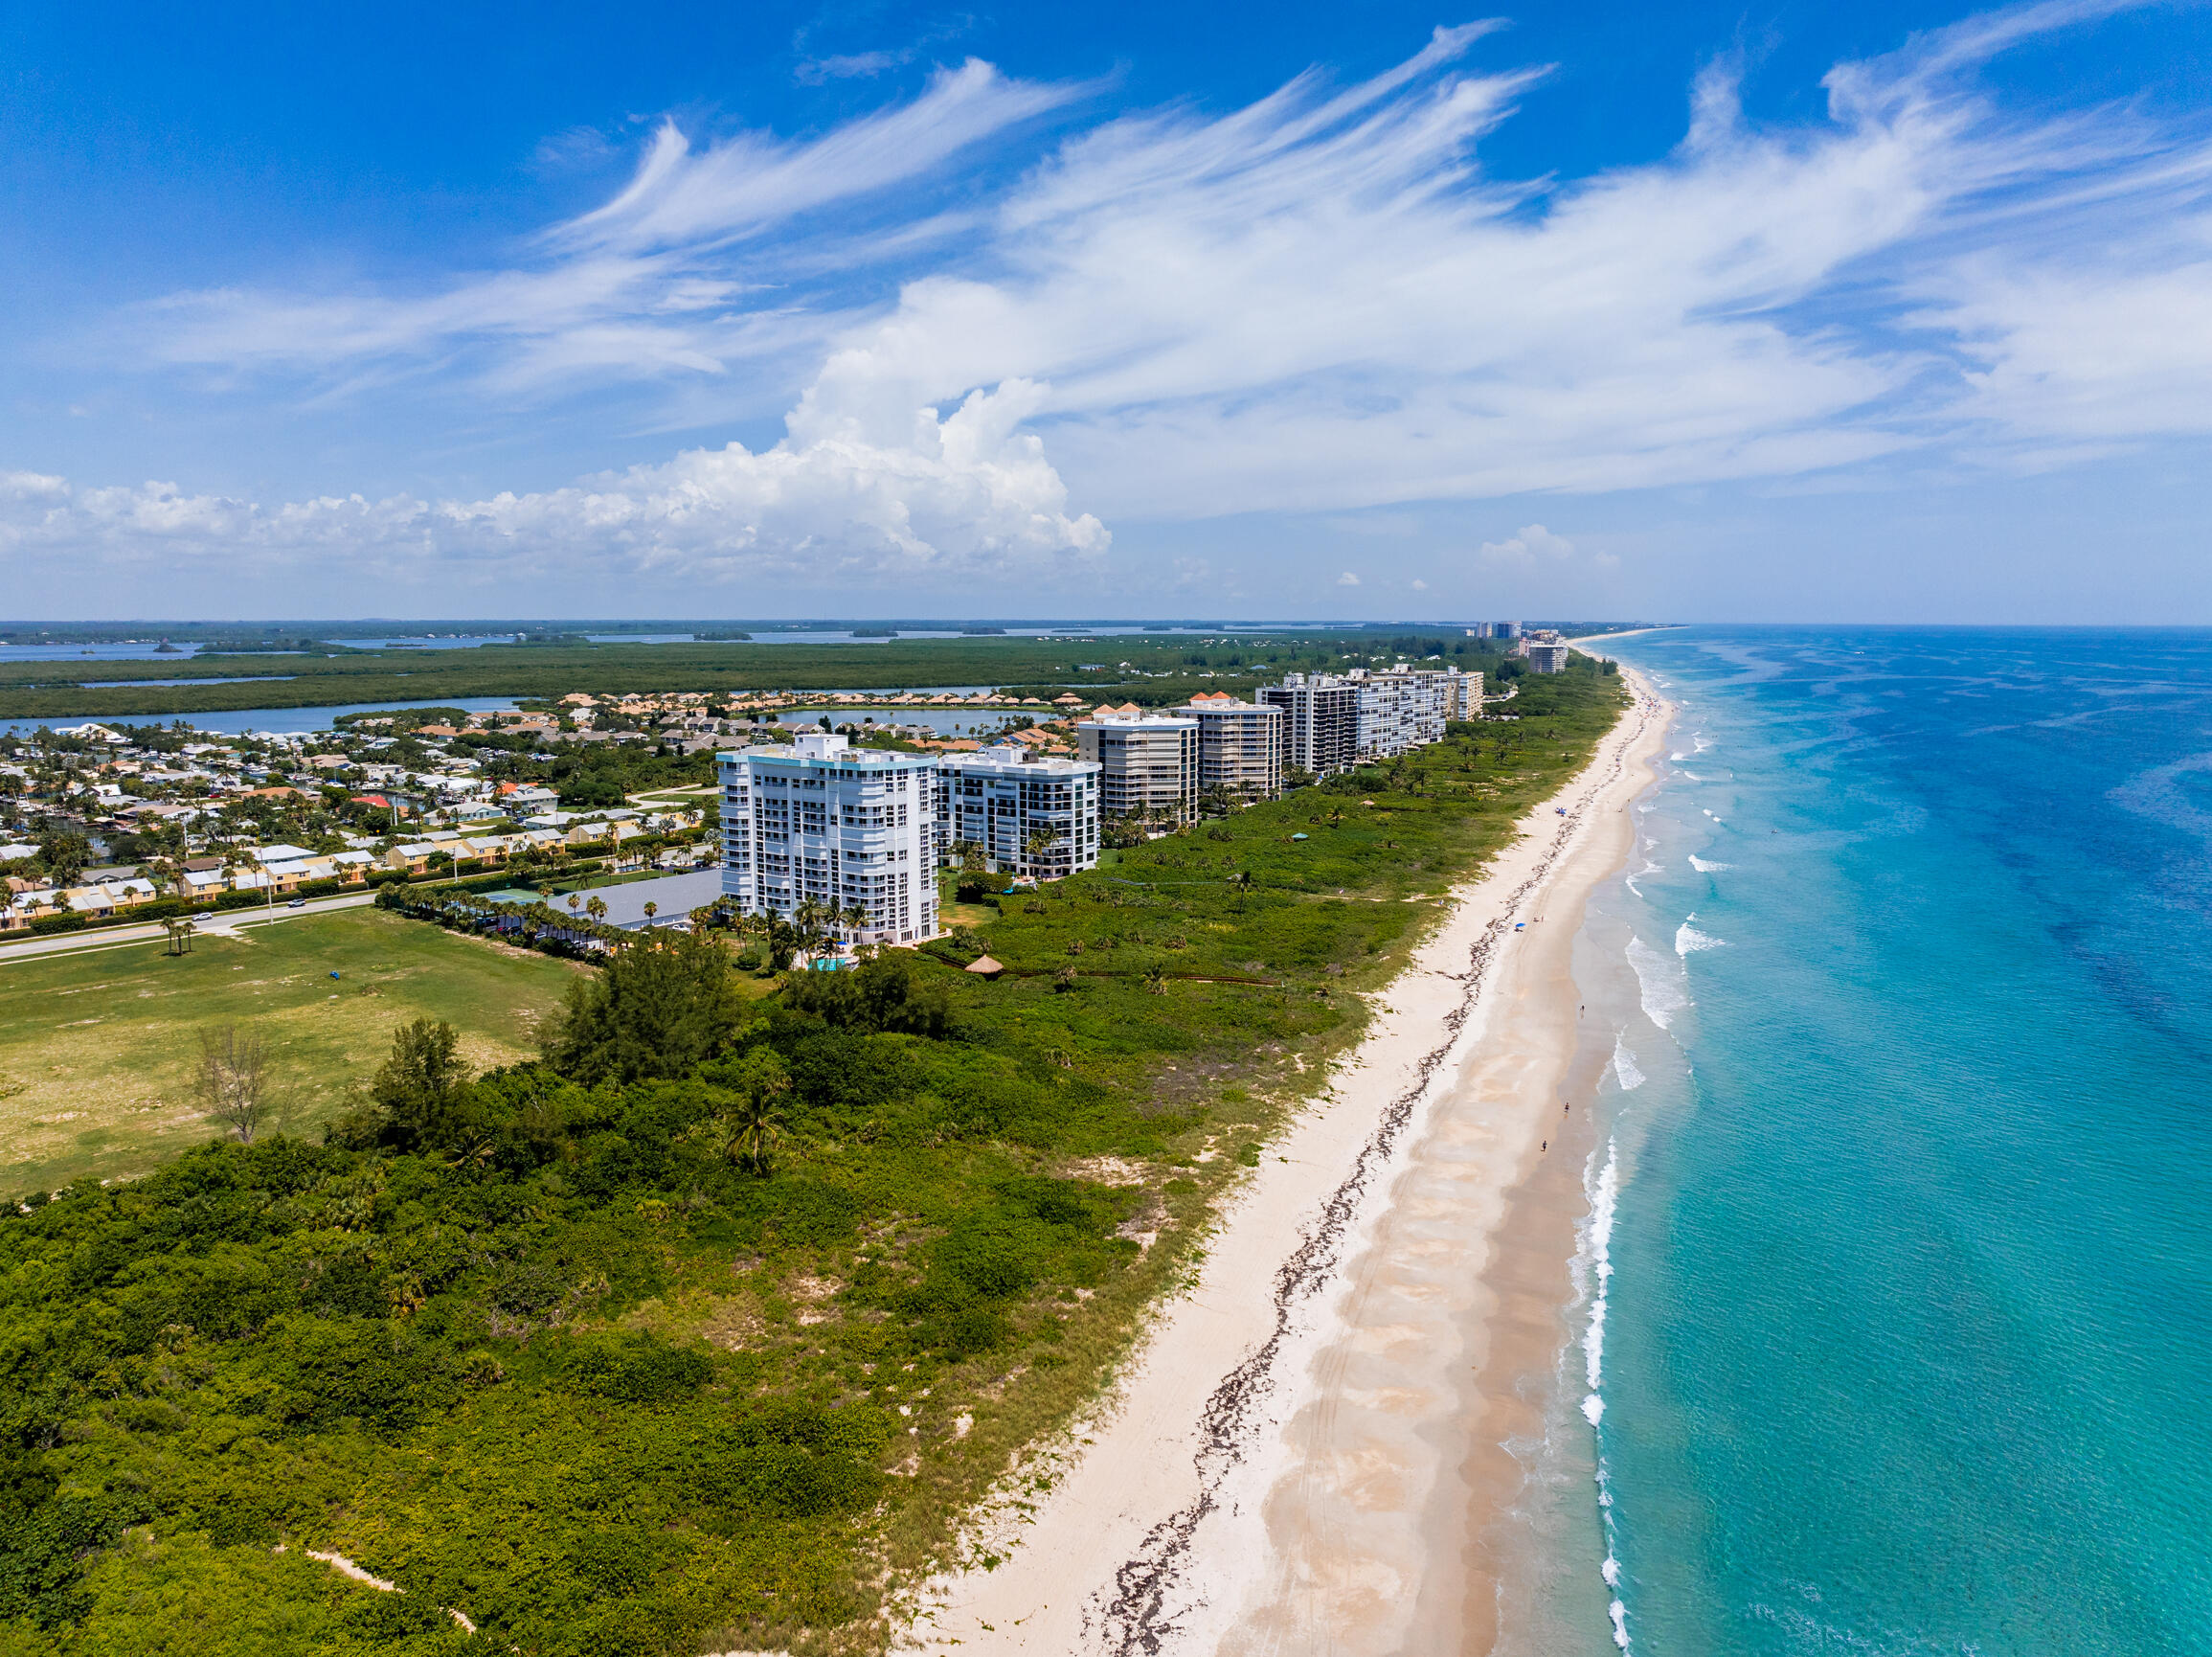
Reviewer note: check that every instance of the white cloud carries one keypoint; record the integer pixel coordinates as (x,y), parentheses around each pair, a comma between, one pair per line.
(962,493)
(1532,542)
(681,273)
(1419,585)
(1320,302)
(1347,580)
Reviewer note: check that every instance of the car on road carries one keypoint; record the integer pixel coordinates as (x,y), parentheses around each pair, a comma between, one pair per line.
(297,904)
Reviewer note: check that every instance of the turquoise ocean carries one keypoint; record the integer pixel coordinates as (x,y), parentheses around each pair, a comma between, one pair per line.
(1895,1326)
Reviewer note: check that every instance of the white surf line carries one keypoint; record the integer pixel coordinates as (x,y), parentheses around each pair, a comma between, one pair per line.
(1135,1619)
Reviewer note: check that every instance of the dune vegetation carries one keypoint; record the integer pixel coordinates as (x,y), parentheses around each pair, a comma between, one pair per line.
(700,1330)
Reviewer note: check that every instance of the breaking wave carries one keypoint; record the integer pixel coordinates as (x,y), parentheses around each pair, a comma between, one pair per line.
(1704,867)
(1661,984)
(1688,937)
(1598,1251)
(1624,1070)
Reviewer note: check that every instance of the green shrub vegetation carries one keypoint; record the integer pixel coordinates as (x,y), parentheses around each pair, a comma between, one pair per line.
(701,1331)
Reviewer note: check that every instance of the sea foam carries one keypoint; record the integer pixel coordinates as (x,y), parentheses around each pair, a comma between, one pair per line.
(1688,937)
(1604,1199)
(1704,867)
(1661,981)
(1624,1070)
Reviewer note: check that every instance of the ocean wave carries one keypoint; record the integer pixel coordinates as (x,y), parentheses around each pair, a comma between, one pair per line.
(1677,757)
(1661,982)
(1624,1070)
(1592,1269)
(1688,937)
(1704,867)
(1604,1200)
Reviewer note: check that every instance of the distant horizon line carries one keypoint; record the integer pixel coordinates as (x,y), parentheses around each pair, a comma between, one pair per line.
(428,626)
(526,623)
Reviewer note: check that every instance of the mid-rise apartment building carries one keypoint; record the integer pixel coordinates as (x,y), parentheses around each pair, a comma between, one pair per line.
(1240,746)
(1547,657)
(1463,695)
(1320,722)
(1332,723)
(1148,764)
(847,827)
(1389,706)
(1029,816)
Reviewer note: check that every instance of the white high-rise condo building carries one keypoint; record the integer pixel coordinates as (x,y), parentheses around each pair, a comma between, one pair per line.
(1149,763)
(1547,658)
(1030,816)
(851,829)
(1332,724)
(1320,722)
(1240,746)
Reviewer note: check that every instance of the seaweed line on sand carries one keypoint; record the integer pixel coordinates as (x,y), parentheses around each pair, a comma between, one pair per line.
(1136,1619)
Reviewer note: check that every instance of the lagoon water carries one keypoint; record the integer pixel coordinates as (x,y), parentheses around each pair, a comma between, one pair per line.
(268,721)
(1904,1197)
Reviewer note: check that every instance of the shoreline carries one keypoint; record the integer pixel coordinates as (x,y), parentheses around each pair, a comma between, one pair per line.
(1278,1470)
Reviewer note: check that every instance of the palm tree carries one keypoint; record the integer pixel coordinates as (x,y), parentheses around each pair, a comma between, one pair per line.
(812,920)
(596,909)
(855,920)
(1039,842)
(575,902)
(651,909)
(756,1123)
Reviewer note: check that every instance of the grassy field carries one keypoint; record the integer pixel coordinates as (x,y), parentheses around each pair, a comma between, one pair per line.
(96,1050)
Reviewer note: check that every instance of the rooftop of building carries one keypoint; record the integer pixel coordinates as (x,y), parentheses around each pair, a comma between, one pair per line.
(1131,714)
(1012,756)
(824,750)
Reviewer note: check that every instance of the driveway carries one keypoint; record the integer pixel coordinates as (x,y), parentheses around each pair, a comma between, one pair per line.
(216,925)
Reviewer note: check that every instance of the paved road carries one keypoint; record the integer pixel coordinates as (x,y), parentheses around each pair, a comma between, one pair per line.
(214,926)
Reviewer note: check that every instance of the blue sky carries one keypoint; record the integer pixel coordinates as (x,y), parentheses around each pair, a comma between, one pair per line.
(1296,310)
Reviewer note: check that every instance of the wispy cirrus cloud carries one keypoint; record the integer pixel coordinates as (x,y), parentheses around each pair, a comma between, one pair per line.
(683,272)
(1319,302)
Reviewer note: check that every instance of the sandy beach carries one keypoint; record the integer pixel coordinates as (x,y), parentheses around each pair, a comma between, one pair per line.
(1304,1454)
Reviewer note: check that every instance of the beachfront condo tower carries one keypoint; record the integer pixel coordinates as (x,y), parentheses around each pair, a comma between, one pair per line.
(1321,720)
(853,829)
(1148,764)
(1026,814)
(1240,746)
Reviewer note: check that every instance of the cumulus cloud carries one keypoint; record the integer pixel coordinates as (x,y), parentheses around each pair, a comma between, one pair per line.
(1347,580)
(1533,542)
(960,493)
(1320,302)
